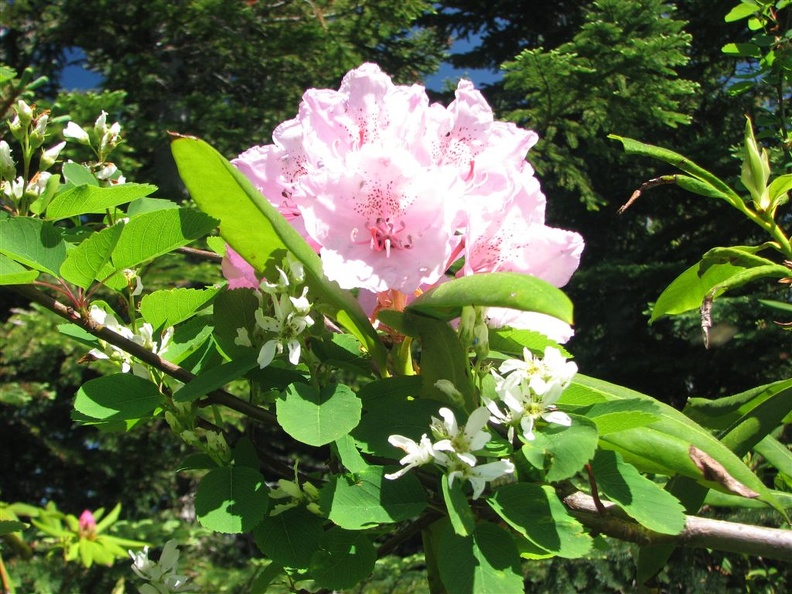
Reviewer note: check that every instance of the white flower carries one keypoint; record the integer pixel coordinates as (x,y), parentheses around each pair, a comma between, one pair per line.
(161,576)
(530,390)
(49,156)
(7,165)
(289,322)
(74,132)
(478,476)
(462,443)
(417,453)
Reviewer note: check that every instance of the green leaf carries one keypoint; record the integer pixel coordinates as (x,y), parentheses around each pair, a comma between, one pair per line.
(642,499)
(442,355)
(743,50)
(169,307)
(635,147)
(32,242)
(255,229)
(619,415)
(485,562)
(13,273)
(719,269)
(9,526)
(566,449)
(780,186)
(215,378)
(120,396)
(458,508)
(344,558)
(234,310)
(741,11)
(78,175)
(777,454)
(231,500)
(367,498)
(83,263)
(494,289)
(290,538)
(89,199)
(511,342)
(393,415)
(536,512)
(318,418)
(144,205)
(349,454)
(156,233)
(663,447)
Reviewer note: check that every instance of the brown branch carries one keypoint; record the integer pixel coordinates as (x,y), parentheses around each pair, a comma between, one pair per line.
(730,537)
(654,182)
(140,352)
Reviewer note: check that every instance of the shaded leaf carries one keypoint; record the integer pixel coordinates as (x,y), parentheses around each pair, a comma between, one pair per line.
(231,500)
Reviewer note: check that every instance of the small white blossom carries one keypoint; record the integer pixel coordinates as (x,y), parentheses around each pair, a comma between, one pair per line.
(7,165)
(479,475)
(462,443)
(74,132)
(529,390)
(161,576)
(49,156)
(418,453)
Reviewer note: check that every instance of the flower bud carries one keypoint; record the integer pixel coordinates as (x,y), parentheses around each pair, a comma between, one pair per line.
(100,127)
(24,112)
(74,132)
(755,170)
(87,524)
(39,130)
(49,156)
(7,165)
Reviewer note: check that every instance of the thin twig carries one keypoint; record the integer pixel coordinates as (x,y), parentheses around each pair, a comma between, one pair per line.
(142,353)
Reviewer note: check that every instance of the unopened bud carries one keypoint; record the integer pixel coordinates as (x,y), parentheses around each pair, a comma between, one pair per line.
(49,156)
(24,112)
(74,132)
(100,127)
(39,130)
(7,165)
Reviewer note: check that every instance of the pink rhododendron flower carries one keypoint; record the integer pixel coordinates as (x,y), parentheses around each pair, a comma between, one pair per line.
(87,523)
(391,189)
(238,273)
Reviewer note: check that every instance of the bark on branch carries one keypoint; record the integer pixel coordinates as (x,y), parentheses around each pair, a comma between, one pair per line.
(730,537)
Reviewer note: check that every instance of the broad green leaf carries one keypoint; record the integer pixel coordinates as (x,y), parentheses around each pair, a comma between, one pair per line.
(663,447)
(367,498)
(759,417)
(618,415)
(485,562)
(263,580)
(394,415)
(743,50)
(720,413)
(119,396)
(344,558)
(565,449)
(245,454)
(89,199)
(169,307)
(776,453)
(536,512)
(741,11)
(494,289)
(144,205)
(156,233)
(9,526)
(349,454)
(255,229)
(32,242)
(13,273)
(187,340)
(442,354)
(78,175)
(232,311)
(642,499)
(290,538)
(215,378)
(635,147)
(719,270)
(318,418)
(511,342)
(458,508)
(83,263)
(780,186)
(399,386)
(231,500)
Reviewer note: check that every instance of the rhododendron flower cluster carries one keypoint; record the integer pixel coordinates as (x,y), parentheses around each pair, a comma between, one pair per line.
(392,190)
